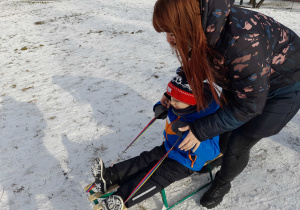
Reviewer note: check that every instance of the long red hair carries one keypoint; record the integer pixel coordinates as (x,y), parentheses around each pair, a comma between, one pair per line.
(183,19)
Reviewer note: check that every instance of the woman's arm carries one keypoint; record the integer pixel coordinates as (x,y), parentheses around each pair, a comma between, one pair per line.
(249,75)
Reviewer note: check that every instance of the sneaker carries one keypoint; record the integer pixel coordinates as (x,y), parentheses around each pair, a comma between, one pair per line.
(113,202)
(214,195)
(98,170)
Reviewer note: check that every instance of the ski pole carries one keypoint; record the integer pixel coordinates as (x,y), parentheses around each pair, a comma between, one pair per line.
(151,172)
(134,140)
(138,136)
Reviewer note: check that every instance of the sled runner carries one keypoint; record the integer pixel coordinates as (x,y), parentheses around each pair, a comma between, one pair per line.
(95,195)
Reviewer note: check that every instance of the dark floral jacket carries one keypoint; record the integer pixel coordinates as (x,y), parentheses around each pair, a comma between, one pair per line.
(261,56)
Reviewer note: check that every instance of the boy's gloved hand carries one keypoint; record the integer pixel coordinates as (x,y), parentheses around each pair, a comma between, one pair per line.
(160,112)
(178,124)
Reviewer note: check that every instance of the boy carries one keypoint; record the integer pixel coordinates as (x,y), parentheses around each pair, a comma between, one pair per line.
(178,165)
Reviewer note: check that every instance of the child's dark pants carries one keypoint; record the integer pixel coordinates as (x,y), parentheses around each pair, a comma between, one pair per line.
(132,171)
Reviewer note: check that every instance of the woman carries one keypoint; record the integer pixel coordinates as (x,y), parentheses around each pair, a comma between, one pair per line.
(253,58)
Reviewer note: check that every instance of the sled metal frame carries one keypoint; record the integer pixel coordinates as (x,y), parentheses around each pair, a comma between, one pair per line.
(164,197)
(208,166)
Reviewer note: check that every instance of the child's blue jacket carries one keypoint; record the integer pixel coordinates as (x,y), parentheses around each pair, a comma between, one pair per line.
(208,149)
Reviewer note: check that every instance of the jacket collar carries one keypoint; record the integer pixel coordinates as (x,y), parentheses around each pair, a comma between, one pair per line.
(186,111)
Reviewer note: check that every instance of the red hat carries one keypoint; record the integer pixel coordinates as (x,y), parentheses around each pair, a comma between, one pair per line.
(180,89)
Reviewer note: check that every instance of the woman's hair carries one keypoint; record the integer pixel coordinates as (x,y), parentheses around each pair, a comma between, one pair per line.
(183,19)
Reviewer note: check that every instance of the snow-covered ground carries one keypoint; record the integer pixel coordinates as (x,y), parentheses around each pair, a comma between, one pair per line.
(78,80)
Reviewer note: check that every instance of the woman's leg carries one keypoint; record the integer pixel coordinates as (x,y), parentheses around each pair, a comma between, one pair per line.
(236,157)
(278,111)
(223,141)
(234,162)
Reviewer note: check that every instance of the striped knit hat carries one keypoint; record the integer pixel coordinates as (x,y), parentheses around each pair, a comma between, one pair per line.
(180,89)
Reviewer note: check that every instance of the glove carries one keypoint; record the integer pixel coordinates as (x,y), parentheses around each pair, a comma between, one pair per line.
(178,124)
(160,112)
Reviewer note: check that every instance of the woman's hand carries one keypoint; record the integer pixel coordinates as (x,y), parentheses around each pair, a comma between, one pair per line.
(165,101)
(190,141)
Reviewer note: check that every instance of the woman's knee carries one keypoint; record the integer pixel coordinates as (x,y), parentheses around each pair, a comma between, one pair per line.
(239,143)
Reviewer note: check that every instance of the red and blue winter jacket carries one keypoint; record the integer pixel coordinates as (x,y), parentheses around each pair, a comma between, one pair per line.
(208,150)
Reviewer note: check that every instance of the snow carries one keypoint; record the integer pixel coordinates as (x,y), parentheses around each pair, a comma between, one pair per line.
(78,80)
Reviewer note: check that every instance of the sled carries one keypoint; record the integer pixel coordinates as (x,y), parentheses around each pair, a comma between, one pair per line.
(95,195)
(163,193)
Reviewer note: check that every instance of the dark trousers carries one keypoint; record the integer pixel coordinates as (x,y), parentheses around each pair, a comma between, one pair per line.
(279,110)
(132,171)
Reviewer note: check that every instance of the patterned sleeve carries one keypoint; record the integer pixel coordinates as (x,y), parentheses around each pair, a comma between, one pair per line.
(249,69)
